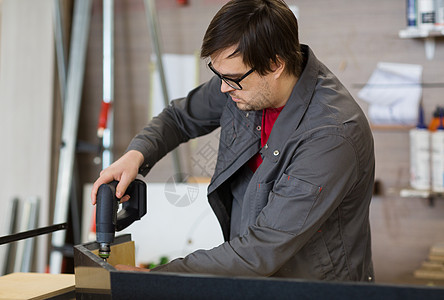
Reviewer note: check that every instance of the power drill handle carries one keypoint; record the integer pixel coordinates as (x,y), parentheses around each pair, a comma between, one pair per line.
(135,208)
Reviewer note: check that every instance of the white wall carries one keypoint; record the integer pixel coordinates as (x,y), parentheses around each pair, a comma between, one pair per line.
(26,100)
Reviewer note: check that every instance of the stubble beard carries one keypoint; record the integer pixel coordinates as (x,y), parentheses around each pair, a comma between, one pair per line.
(258,101)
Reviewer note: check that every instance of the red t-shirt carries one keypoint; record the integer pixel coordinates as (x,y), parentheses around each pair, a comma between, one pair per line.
(269,117)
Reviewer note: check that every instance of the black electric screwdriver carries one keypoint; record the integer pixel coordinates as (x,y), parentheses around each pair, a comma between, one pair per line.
(108,220)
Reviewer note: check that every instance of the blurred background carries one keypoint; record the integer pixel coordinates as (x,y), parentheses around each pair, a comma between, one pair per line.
(45,110)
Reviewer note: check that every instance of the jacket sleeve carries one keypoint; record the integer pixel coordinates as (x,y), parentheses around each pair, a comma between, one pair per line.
(186,118)
(322,171)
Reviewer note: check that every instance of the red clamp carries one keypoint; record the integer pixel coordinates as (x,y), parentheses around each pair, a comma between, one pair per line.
(103,118)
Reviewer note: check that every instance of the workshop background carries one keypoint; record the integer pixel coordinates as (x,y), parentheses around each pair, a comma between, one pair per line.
(350,36)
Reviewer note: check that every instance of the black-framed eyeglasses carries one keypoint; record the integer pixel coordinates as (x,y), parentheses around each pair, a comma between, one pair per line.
(234,83)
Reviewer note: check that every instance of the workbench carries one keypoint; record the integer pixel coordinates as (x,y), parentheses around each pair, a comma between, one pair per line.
(97,279)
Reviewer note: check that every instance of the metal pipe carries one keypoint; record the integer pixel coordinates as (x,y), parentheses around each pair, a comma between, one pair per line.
(151,16)
(108,80)
(31,233)
(71,111)
(60,49)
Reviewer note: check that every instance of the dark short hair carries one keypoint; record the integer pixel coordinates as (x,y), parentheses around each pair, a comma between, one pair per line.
(261,29)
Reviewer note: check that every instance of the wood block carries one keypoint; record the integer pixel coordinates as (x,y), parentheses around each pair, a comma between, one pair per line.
(437,250)
(97,277)
(433,265)
(429,274)
(35,285)
(121,254)
(439,258)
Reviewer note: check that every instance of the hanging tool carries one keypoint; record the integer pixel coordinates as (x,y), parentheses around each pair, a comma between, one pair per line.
(109,220)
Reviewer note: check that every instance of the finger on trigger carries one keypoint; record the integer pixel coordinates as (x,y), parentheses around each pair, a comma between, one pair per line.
(121,188)
(125,198)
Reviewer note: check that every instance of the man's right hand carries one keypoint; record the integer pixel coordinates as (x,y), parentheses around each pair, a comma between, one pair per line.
(124,170)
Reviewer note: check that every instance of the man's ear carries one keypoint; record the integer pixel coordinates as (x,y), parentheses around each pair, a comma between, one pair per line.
(278,67)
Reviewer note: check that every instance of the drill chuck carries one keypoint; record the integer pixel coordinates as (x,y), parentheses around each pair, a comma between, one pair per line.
(104,250)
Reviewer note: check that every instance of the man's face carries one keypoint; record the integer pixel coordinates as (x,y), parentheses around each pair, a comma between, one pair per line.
(256,93)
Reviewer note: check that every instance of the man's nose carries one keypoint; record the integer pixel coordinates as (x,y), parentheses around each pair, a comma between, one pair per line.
(225,88)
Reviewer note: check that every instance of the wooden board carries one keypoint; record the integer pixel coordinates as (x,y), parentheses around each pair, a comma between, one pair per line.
(35,285)
(433,268)
(121,254)
(93,277)
(437,250)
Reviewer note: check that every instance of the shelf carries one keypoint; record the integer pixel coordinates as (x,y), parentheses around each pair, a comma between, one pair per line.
(415,32)
(428,35)
(378,127)
(425,194)
(413,193)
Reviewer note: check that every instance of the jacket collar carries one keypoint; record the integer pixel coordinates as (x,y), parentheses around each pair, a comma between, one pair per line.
(295,108)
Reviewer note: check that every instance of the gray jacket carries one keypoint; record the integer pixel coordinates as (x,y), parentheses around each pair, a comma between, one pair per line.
(305,211)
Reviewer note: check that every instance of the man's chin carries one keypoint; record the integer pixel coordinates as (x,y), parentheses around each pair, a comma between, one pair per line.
(246,107)
(242,106)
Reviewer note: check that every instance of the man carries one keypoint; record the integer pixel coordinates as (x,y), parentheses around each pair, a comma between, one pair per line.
(295,167)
